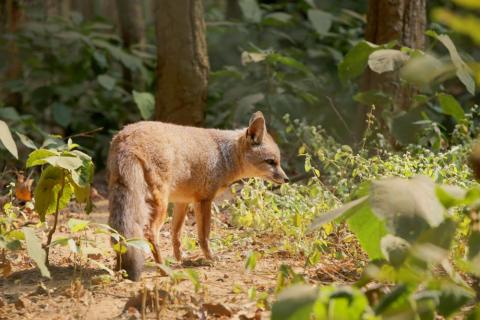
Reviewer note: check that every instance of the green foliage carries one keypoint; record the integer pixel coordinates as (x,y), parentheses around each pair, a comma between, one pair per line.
(7,139)
(66,172)
(35,250)
(146,104)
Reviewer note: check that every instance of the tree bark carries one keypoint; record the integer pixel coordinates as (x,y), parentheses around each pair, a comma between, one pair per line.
(110,11)
(390,20)
(12,20)
(85,7)
(182,62)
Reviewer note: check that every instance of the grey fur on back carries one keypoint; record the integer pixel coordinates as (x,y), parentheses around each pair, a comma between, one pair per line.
(128,208)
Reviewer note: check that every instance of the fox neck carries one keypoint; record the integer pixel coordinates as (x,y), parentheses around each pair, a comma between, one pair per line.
(232,149)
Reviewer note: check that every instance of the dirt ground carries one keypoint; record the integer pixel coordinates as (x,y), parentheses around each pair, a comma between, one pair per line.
(88,292)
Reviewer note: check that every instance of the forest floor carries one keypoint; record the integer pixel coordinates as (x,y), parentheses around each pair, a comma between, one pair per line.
(226,289)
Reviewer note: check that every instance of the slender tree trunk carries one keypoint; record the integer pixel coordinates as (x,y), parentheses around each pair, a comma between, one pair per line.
(13,18)
(85,7)
(110,11)
(389,20)
(182,62)
(132,29)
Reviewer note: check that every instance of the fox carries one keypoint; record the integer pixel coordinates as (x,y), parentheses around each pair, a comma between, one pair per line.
(151,164)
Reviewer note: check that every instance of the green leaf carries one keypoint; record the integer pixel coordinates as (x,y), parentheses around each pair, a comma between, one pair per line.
(345,210)
(37,157)
(287,61)
(35,251)
(321,20)
(139,244)
(295,303)
(395,198)
(106,81)
(386,60)
(65,162)
(451,106)
(280,17)
(7,139)
(194,277)
(77,225)
(251,11)
(394,249)
(356,61)
(370,98)
(145,102)
(46,192)
(452,298)
(369,230)
(464,73)
(251,261)
(27,142)
(62,114)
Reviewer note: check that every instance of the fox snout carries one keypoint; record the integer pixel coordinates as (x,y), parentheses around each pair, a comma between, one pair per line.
(279,176)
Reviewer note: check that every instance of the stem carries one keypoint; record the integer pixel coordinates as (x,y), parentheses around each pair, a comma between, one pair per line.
(52,231)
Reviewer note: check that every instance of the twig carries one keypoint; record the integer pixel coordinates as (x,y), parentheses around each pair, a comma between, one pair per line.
(52,231)
(85,134)
(340,116)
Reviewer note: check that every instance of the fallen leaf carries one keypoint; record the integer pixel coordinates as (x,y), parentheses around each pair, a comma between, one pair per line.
(217,309)
(23,188)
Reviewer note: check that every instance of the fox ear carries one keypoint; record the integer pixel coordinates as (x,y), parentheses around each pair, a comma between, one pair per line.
(256,128)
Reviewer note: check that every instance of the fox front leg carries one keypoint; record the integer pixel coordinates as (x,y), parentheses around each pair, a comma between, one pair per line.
(203,216)
(179,214)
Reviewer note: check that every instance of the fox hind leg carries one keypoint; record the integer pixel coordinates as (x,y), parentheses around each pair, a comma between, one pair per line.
(179,214)
(159,205)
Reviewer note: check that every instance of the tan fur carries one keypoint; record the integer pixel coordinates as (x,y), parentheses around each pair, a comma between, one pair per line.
(182,165)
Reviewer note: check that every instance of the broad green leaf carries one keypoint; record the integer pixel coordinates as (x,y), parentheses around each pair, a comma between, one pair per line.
(139,244)
(424,70)
(347,209)
(450,196)
(145,102)
(7,139)
(281,17)
(26,141)
(472,4)
(369,230)
(451,106)
(321,20)
(394,249)
(251,11)
(46,192)
(295,303)
(474,245)
(252,57)
(464,73)
(386,60)
(397,200)
(356,61)
(106,81)
(287,61)
(62,114)
(77,225)
(35,250)
(65,162)
(37,157)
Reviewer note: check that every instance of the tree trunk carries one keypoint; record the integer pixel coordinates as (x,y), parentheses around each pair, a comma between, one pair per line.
(182,66)
(12,20)
(110,11)
(85,7)
(389,20)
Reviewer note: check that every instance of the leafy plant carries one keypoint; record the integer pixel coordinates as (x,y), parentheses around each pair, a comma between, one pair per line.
(66,172)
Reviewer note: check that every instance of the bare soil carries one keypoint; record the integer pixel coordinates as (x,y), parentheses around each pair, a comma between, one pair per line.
(88,292)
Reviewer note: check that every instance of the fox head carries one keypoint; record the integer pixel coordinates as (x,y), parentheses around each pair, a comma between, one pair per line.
(261,156)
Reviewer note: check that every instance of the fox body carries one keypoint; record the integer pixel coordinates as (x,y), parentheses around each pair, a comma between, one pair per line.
(152,163)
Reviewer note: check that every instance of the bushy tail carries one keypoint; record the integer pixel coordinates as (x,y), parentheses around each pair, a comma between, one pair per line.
(129,211)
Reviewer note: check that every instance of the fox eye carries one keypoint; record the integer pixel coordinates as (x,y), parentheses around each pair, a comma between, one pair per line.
(270,162)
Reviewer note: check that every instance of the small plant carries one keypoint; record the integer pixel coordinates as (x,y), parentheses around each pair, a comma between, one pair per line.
(66,173)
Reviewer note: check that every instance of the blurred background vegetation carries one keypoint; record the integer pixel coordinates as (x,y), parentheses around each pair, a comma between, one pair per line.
(362,70)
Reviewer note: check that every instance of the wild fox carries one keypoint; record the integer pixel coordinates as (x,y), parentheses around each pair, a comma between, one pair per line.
(153,163)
